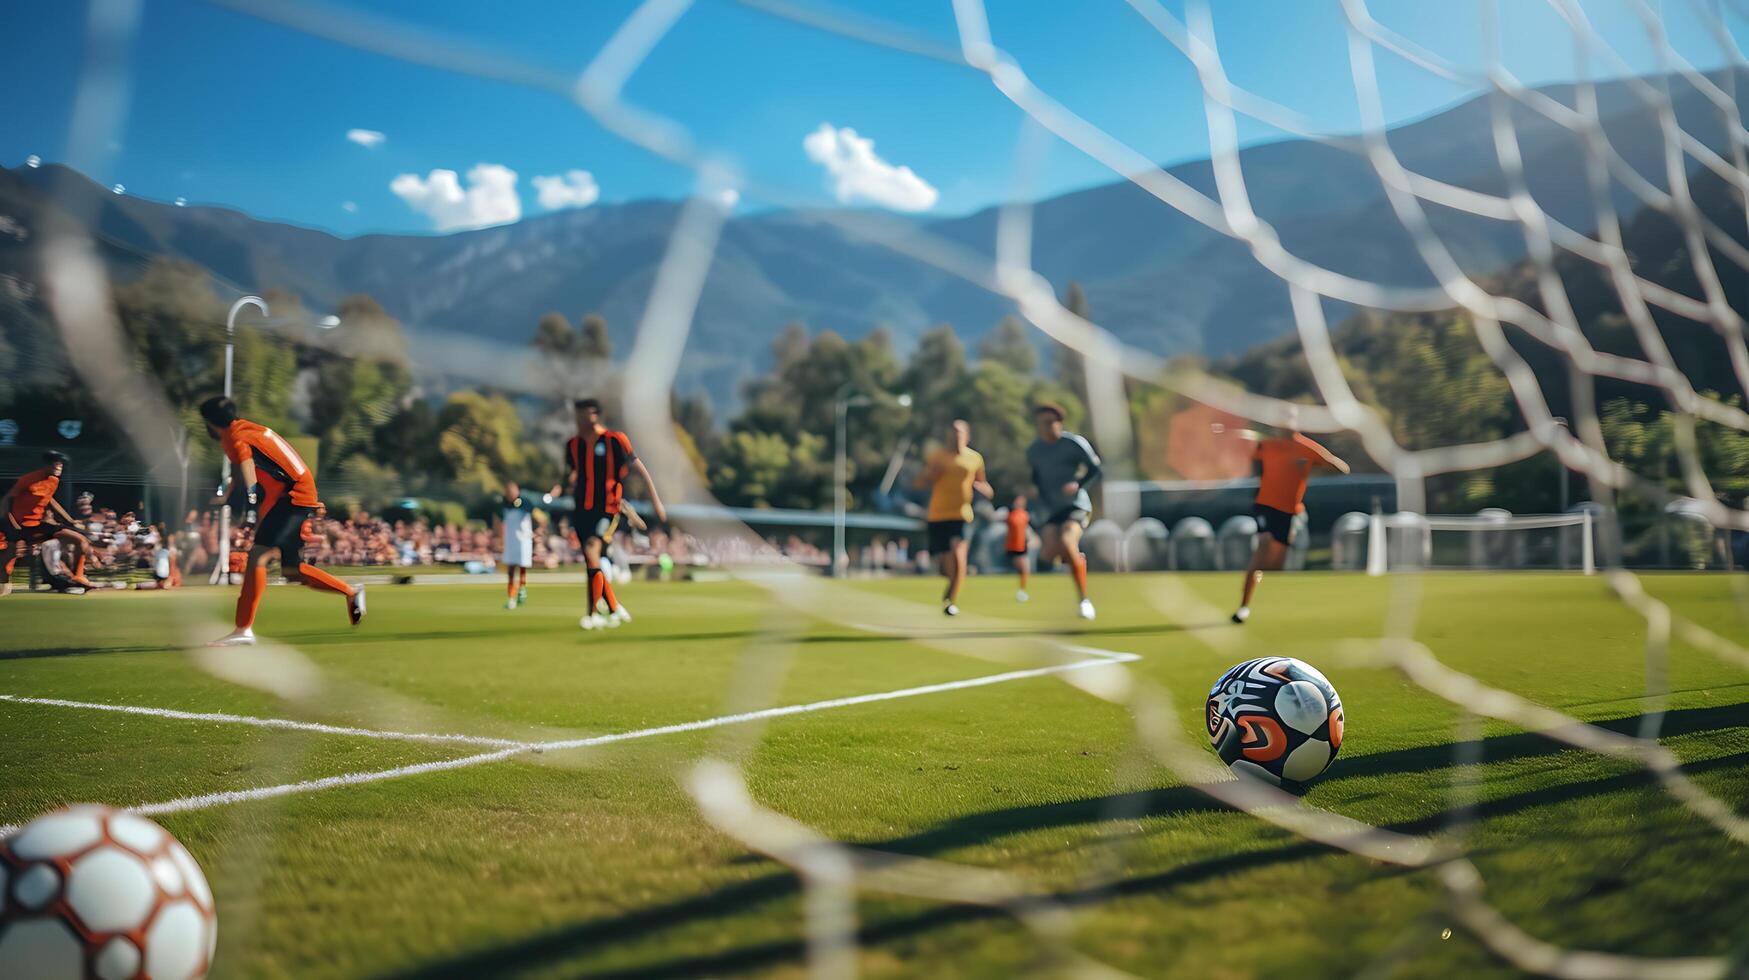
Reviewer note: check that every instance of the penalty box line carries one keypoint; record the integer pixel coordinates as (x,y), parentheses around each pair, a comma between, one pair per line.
(282,723)
(1102,659)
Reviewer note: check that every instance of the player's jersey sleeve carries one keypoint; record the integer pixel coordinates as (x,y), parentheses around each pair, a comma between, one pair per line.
(1310,449)
(1090,457)
(232,446)
(625,447)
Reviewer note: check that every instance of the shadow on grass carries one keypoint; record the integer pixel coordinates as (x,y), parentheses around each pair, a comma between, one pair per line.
(34,653)
(557,946)
(1041,630)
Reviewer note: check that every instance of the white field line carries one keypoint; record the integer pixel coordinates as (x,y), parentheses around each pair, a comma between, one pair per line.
(305,726)
(1103,659)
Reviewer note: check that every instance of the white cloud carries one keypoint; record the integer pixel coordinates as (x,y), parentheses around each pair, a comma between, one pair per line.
(859,175)
(490,197)
(572,189)
(350,207)
(365,137)
(728,197)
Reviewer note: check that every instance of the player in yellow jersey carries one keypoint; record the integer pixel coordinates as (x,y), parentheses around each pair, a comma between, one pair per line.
(954,472)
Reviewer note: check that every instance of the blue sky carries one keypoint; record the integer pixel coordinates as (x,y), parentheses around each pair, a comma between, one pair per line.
(225,109)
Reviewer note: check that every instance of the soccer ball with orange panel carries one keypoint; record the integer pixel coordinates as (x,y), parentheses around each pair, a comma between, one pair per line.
(89,891)
(1277,719)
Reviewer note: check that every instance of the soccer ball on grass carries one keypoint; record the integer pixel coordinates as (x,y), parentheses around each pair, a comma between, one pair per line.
(89,891)
(1277,719)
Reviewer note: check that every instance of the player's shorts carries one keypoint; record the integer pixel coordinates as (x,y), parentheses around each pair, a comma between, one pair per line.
(32,534)
(943,535)
(1068,514)
(282,527)
(596,524)
(518,553)
(1278,524)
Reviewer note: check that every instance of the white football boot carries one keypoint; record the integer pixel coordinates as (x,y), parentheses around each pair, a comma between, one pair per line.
(244,637)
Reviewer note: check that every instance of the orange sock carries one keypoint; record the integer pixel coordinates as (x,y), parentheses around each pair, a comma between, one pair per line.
(11,562)
(1078,565)
(512,589)
(596,582)
(321,581)
(249,600)
(607,590)
(79,566)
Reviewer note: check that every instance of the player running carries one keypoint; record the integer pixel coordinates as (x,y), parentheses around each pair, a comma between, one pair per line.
(26,520)
(1063,464)
(1287,463)
(954,472)
(1017,521)
(596,462)
(280,496)
(518,518)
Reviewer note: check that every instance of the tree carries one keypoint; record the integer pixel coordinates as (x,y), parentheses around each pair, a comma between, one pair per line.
(1068,367)
(938,381)
(553,336)
(1009,344)
(361,382)
(480,440)
(693,414)
(763,469)
(593,341)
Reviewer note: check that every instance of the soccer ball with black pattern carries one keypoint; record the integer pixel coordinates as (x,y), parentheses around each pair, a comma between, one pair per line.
(1277,719)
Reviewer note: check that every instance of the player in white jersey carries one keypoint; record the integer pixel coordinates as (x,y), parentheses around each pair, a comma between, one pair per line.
(518,518)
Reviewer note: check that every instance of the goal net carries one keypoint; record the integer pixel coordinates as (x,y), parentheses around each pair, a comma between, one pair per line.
(1491,540)
(1567,310)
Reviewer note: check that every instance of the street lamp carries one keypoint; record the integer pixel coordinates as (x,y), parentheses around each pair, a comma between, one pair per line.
(1563,423)
(845,401)
(328,322)
(221,568)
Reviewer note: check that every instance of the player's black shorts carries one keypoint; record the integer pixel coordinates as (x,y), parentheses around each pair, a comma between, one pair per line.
(282,527)
(943,535)
(32,534)
(1068,514)
(596,524)
(1278,524)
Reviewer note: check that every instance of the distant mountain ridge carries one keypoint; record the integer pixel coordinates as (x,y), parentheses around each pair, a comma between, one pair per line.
(1153,276)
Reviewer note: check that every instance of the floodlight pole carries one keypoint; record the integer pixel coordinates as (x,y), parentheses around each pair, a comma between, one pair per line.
(844,401)
(840,465)
(221,569)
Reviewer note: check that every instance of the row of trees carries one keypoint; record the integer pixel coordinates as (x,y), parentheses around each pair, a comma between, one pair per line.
(383,435)
(380,438)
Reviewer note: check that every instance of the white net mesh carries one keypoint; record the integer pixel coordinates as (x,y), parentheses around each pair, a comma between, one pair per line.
(1509,319)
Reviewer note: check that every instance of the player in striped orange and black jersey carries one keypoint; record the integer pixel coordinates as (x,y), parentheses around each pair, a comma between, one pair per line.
(25,523)
(597,460)
(279,495)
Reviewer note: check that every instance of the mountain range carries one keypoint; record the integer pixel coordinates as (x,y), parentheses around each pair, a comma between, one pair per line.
(1153,276)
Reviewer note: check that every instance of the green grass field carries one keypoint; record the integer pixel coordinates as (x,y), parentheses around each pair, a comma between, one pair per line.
(597,861)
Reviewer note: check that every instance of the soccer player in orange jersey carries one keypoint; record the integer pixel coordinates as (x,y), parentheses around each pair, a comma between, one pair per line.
(597,460)
(280,495)
(1017,521)
(1287,462)
(25,520)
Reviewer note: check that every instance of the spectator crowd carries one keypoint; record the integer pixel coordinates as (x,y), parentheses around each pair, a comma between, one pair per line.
(127,549)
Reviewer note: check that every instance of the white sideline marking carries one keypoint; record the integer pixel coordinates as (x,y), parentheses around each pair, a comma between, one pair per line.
(307,726)
(1105,659)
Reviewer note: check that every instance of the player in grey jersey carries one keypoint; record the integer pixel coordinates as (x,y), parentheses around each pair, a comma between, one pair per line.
(1063,464)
